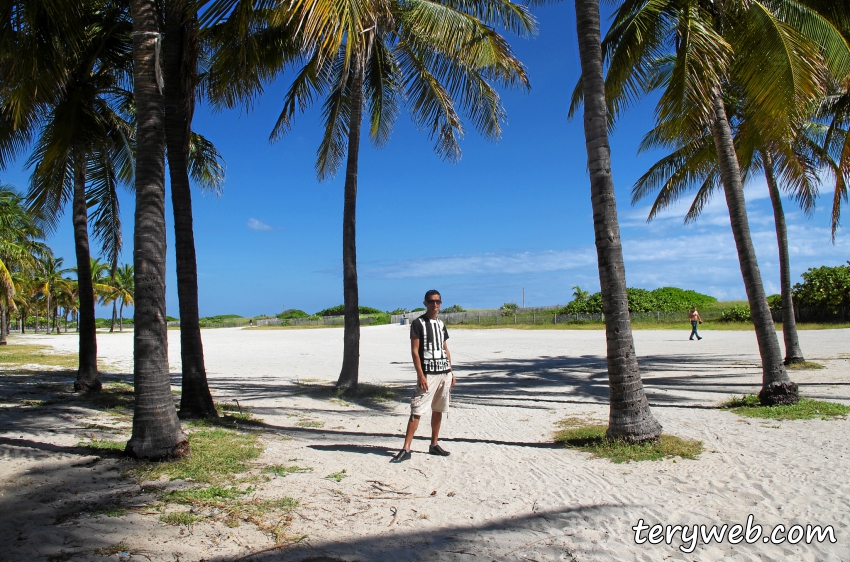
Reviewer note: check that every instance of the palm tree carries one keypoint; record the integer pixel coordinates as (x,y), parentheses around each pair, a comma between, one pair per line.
(83,148)
(776,56)
(181,82)
(373,56)
(156,430)
(121,290)
(50,282)
(694,165)
(629,418)
(20,251)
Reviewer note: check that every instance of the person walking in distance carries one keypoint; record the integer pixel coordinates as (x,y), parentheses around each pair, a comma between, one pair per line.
(434,376)
(695,319)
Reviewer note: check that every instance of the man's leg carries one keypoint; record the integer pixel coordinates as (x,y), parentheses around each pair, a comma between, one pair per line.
(436,420)
(412,426)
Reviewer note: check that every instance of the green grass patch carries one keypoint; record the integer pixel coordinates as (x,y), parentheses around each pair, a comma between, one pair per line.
(338,476)
(109,511)
(32,354)
(214,453)
(589,437)
(104,445)
(804,366)
(282,470)
(806,409)
(178,518)
(213,495)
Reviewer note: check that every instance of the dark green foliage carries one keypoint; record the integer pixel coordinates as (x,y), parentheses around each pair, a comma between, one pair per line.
(665,299)
(418,309)
(219,318)
(167,319)
(292,313)
(340,311)
(453,308)
(399,311)
(736,314)
(825,289)
(775,302)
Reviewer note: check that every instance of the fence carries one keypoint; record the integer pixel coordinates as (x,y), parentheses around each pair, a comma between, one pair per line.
(245,322)
(546,315)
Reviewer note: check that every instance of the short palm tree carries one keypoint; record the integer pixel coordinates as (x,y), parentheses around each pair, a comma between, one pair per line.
(20,250)
(373,56)
(776,54)
(121,291)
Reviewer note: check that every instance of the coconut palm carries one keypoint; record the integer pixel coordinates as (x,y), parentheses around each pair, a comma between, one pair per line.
(156,429)
(372,56)
(629,418)
(693,165)
(20,250)
(83,142)
(50,282)
(777,55)
(121,290)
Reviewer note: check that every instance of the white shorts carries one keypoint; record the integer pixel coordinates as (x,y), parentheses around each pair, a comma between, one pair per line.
(436,398)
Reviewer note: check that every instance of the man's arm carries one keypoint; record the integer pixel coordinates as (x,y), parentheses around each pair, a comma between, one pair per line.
(421,379)
(449,356)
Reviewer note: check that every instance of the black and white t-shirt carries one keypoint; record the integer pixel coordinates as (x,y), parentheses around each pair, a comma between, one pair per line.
(431,335)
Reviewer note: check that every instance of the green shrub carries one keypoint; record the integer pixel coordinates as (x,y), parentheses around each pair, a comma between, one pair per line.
(825,289)
(292,313)
(340,311)
(220,318)
(418,309)
(399,311)
(454,308)
(736,314)
(664,299)
(509,309)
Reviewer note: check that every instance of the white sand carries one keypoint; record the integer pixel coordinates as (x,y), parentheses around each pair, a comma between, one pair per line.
(505,493)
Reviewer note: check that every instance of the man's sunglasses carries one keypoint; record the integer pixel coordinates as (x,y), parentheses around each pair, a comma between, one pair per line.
(434,302)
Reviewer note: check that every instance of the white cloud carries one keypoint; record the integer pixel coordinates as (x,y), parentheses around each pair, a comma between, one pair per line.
(258,225)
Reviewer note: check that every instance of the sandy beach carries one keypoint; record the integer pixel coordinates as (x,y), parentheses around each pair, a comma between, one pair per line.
(507,492)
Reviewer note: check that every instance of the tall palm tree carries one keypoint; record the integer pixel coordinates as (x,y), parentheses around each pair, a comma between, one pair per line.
(372,56)
(776,55)
(83,146)
(49,282)
(125,291)
(181,82)
(629,418)
(156,430)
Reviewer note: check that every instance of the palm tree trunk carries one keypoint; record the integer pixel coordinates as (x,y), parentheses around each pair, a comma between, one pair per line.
(793,353)
(3,326)
(114,314)
(87,379)
(777,388)
(195,400)
(156,430)
(121,317)
(349,374)
(630,418)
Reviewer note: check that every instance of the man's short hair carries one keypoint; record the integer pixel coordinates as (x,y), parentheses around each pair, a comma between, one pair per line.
(431,293)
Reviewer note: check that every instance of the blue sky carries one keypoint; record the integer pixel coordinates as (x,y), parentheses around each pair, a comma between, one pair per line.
(508,216)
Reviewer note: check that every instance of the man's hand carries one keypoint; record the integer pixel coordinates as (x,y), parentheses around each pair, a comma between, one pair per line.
(423,382)
(454,381)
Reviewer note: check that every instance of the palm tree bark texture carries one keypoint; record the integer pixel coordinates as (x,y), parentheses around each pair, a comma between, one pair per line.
(348,375)
(195,400)
(793,353)
(156,430)
(777,387)
(630,418)
(87,377)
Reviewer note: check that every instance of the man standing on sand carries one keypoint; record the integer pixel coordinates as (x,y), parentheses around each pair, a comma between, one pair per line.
(434,375)
(695,319)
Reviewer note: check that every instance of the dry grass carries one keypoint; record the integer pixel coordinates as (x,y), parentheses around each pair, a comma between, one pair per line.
(20,354)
